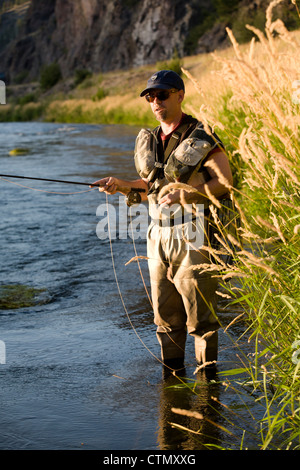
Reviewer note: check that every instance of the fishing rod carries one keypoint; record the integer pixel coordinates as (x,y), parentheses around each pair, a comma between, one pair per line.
(132,197)
(47,179)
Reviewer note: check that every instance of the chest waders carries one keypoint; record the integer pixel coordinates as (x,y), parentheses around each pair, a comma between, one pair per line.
(183,297)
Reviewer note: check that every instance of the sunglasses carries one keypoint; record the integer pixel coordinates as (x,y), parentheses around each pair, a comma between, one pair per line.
(161,95)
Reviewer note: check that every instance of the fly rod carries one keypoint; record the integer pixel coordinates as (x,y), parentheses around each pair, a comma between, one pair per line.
(133,197)
(47,179)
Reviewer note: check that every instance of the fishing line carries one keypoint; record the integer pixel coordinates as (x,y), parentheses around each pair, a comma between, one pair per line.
(139,266)
(44,190)
(121,296)
(119,289)
(144,283)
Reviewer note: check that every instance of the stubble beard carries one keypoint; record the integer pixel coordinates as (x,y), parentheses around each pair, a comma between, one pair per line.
(161,114)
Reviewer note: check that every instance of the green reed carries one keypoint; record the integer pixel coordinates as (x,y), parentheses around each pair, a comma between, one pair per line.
(260,124)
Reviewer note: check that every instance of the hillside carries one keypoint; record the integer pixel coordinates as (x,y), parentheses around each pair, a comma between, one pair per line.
(102,36)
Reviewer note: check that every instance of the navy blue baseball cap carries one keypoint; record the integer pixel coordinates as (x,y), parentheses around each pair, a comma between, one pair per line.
(164,80)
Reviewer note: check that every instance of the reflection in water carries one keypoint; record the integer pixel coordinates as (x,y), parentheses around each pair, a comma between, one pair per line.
(193,397)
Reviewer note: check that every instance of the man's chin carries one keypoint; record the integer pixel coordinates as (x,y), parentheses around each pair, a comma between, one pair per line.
(160,115)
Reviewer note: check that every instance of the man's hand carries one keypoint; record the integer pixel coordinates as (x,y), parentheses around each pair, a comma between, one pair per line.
(178,193)
(107,185)
(173,197)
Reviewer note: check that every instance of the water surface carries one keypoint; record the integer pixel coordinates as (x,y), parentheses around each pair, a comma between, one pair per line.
(78,374)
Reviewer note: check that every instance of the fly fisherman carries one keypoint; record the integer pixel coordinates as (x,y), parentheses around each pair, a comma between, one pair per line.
(178,150)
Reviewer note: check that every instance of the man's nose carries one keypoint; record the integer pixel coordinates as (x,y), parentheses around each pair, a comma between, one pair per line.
(156,100)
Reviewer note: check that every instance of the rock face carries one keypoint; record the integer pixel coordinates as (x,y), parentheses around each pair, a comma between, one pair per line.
(100,35)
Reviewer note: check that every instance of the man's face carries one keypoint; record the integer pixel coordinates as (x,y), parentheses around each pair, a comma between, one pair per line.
(165,110)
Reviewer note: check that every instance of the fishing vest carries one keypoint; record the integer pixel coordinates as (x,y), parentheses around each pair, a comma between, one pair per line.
(185,154)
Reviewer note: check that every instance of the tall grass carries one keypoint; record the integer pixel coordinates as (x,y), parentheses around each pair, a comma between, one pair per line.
(260,121)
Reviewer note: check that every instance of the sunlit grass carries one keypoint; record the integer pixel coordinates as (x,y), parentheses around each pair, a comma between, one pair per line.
(259,119)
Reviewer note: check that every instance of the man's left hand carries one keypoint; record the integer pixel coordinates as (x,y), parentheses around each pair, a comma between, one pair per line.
(174,197)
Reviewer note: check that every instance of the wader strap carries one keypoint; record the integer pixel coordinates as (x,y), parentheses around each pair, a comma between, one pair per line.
(175,139)
(162,155)
(173,142)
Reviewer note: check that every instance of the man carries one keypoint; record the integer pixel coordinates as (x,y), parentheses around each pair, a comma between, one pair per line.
(178,150)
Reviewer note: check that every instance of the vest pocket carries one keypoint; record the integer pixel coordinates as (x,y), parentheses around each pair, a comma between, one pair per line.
(187,158)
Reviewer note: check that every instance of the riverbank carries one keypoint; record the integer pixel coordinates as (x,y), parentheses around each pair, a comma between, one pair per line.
(110,98)
(113,98)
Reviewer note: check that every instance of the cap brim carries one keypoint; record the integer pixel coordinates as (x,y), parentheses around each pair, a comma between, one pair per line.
(158,86)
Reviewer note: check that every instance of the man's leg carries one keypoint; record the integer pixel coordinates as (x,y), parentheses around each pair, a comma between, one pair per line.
(198,292)
(169,312)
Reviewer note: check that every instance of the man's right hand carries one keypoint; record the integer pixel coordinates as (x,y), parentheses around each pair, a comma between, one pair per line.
(107,185)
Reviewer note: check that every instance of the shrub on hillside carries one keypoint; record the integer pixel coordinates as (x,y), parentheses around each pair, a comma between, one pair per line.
(50,75)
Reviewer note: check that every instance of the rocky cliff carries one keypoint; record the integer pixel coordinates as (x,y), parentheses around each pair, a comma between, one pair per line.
(100,35)
(103,35)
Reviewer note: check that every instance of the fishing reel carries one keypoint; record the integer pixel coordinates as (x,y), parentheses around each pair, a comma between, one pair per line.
(133,197)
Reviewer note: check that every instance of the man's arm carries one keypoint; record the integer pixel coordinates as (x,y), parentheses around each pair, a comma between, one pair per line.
(221,177)
(217,165)
(112,185)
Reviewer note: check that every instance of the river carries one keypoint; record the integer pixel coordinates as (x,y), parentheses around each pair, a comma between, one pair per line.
(77,373)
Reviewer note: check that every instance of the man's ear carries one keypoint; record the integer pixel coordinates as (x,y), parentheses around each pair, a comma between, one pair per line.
(180,96)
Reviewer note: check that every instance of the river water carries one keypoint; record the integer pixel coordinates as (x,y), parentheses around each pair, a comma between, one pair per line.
(77,373)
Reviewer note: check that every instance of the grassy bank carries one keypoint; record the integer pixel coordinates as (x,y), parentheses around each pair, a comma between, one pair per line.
(259,118)
(111,98)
